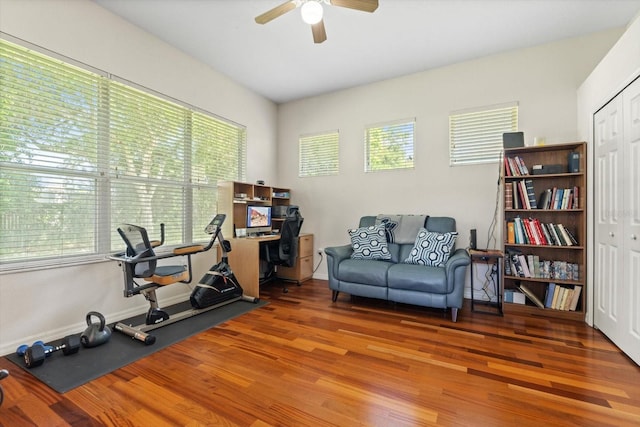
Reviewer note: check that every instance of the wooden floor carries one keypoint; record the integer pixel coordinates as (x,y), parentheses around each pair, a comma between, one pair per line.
(305,361)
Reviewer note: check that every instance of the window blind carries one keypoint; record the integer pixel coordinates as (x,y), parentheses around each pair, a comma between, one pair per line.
(389,146)
(49,159)
(82,153)
(476,135)
(319,154)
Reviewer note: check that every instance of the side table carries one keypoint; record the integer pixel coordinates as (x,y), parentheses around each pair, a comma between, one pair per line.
(493,258)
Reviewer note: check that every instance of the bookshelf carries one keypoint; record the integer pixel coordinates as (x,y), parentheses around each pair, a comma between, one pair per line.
(545,241)
(234,196)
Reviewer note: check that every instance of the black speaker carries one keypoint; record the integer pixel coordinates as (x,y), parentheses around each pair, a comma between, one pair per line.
(513,139)
(473,243)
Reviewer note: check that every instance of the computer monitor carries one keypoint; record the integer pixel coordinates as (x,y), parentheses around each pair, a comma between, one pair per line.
(258,219)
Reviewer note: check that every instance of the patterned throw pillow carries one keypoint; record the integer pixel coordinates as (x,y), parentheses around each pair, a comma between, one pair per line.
(369,243)
(432,249)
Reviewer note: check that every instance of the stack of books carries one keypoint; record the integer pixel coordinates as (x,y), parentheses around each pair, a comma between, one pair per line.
(530,231)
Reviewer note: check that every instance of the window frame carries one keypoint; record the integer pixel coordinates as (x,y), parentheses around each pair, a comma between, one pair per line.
(323,161)
(390,130)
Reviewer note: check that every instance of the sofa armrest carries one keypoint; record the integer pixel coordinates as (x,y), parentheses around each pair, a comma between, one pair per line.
(456,269)
(335,254)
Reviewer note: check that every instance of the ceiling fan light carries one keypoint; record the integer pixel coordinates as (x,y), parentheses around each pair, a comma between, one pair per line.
(311,12)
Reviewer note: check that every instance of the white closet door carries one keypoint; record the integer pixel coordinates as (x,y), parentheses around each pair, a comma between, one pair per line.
(617,220)
(630,341)
(608,298)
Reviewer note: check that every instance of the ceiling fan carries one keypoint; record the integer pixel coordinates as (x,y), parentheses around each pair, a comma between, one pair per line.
(311,11)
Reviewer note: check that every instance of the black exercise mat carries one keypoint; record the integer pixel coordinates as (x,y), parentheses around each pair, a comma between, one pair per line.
(64,373)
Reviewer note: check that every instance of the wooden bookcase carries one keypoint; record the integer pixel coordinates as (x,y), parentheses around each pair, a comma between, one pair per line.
(562,261)
(234,197)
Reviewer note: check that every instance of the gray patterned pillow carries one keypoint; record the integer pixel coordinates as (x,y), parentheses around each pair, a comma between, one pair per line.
(431,248)
(369,243)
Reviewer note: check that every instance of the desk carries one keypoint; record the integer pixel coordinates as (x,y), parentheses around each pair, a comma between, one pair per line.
(492,258)
(244,260)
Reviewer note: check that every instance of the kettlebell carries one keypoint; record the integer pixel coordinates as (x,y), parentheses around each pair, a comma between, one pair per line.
(96,333)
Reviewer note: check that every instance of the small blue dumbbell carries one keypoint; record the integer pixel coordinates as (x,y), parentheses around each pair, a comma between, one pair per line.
(20,351)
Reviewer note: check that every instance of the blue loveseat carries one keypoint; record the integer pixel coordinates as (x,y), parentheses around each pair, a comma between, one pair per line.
(401,258)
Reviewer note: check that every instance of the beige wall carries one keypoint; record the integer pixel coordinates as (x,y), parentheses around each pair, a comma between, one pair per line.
(47,304)
(542,79)
(619,67)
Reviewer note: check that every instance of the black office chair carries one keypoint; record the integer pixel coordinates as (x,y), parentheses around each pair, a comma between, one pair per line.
(284,251)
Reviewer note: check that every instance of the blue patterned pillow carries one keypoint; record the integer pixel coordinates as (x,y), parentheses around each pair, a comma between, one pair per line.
(369,243)
(432,249)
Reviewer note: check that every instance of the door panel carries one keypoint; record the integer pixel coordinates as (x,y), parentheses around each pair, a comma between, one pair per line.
(630,341)
(607,241)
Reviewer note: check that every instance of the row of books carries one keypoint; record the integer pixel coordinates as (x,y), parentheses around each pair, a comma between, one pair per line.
(565,298)
(530,231)
(559,198)
(514,166)
(520,265)
(562,297)
(520,194)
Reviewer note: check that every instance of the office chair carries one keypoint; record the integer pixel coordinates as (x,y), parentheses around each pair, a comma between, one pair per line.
(284,251)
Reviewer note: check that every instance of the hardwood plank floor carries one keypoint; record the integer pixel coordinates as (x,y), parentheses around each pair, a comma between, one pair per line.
(305,361)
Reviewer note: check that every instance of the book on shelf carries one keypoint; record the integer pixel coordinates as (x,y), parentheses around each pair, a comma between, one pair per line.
(522,194)
(565,235)
(511,232)
(508,196)
(565,297)
(577,289)
(531,195)
(522,166)
(517,204)
(514,296)
(532,297)
(548,300)
(545,199)
(507,167)
(524,266)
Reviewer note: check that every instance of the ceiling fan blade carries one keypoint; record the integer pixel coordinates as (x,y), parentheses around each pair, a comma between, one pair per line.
(275,12)
(363,5)
(319,34)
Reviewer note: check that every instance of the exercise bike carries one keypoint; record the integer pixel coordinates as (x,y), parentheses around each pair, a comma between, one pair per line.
(217,287)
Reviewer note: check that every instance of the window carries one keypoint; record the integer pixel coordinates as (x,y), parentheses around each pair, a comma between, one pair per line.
(83,153)
(319,154)
(475,136)
(389,146)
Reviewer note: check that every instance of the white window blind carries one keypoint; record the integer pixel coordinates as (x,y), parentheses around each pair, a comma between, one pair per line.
(389,146)
(82,154)
(476,135)
(319,154)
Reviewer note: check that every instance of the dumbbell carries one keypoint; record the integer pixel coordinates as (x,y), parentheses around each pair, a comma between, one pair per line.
(35,355)
(20,351)
(3,374)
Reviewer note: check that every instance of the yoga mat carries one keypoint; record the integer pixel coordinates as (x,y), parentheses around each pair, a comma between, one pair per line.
(64,373)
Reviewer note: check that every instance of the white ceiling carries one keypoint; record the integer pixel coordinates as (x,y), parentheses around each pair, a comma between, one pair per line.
(280,61)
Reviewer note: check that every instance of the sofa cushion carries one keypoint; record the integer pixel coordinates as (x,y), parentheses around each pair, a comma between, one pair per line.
(369,243)
(402,228)
(431,248)
(417,278)
(370,272)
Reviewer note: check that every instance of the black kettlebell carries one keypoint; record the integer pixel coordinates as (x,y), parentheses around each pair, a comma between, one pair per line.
(96,333)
